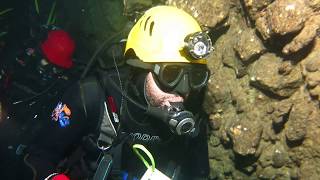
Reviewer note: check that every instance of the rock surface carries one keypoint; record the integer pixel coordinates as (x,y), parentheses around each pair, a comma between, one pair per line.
(249,46)
(269,74)
(263,105)
(208,13)
(282,17)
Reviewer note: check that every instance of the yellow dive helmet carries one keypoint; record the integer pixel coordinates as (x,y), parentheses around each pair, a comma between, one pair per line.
(168,34)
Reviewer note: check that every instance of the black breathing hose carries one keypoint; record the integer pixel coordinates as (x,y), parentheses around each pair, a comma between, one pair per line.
(36,95)
(126,95)
(97,51)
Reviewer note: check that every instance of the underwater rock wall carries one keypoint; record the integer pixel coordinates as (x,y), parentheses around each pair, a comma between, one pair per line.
(264,92)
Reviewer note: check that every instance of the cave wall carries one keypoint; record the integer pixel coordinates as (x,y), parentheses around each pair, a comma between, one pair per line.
(263,95)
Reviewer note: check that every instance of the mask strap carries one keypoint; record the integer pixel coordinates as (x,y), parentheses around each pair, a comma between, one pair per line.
(138,63)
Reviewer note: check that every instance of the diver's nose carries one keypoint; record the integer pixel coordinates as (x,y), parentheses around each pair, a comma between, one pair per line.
(183,87)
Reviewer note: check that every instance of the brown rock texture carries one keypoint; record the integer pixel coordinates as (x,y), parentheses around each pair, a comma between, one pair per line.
(245,135)
(262,100)
(269,75)
(283,17)
(311,71)
(208,13)
(255,6)
(249,46)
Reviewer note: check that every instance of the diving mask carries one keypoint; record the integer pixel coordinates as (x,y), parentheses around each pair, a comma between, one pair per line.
(171,74)
(178,77)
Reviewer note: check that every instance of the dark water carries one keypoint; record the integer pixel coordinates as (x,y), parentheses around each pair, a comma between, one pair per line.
(23,15)
(17,23)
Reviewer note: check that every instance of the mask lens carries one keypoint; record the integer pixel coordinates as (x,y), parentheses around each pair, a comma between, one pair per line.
(199,77)
(171,74)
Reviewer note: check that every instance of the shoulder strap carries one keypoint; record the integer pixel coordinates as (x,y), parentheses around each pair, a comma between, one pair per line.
(96,109)
(104,168)
(92,98)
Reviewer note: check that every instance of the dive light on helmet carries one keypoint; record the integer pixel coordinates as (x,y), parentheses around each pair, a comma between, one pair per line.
(198,45)
(180,122)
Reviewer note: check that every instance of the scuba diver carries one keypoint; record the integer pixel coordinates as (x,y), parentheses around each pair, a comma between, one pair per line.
(154,100)
(40,59)
(33,74)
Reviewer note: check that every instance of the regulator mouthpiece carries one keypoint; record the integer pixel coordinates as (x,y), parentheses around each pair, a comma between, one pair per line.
(180,122)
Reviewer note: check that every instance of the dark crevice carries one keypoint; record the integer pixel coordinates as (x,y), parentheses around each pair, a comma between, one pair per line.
(301,54)
(216,32)
(268,93)
(249,22)
(292,144)
(245,164)
(276,43)
(239,72)
(250,60)
(278,127)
